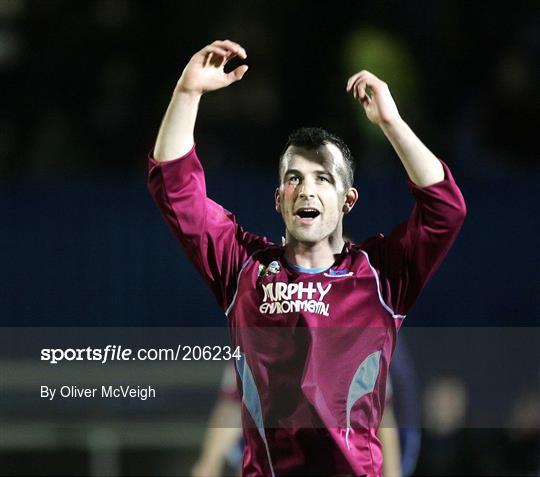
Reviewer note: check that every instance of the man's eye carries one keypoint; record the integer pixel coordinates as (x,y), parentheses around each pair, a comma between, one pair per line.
(323,179)
(294,179)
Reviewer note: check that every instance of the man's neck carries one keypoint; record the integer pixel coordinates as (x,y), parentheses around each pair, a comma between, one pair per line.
(317,255)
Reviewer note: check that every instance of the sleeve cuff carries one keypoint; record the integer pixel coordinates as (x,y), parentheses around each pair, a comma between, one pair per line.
(153,161)
(447,178)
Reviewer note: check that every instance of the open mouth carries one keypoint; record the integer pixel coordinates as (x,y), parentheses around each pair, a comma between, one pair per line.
(307,213)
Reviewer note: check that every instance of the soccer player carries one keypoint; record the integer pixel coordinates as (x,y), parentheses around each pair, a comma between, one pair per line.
(315,318)
(222,440)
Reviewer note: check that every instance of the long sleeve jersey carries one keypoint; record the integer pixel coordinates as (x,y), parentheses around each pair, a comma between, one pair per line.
(314,347)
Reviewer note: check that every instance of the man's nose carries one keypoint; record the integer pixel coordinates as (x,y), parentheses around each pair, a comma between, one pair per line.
(306,190)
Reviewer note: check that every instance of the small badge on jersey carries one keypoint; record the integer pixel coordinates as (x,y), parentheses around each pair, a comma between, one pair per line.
(273,268)
(344,272)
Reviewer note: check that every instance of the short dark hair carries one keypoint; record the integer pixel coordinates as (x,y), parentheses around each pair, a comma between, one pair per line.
(312,138)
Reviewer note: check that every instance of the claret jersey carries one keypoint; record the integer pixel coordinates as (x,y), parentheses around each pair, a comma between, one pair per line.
(315,344)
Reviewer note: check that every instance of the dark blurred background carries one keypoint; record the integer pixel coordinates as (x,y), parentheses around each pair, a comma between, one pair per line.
(85,84)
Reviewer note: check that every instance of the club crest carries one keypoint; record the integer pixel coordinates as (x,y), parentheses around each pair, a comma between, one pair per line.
(273,268)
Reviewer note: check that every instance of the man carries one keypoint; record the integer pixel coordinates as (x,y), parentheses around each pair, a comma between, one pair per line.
(316,318)
(222,441)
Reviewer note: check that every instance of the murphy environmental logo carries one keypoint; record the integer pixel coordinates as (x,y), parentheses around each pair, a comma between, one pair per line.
(280,297)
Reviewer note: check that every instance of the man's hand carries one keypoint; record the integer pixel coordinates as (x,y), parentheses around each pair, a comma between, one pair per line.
(423,168)
(205,71)
(373,94)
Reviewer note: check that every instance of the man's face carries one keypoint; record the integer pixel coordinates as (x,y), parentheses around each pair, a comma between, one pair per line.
(312,197)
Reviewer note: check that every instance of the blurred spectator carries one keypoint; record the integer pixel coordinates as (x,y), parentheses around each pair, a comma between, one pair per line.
(405,400)
(447,446)
(519,446)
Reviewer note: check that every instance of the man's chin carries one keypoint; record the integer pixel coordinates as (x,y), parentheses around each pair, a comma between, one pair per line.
(307,239)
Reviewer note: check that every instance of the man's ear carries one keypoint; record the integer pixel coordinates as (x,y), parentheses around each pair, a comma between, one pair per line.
(277,200)
(350,199)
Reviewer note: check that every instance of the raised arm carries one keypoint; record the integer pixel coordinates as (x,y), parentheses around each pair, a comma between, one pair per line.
(204,72)
(209,234)
(423,168)
(408,256)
